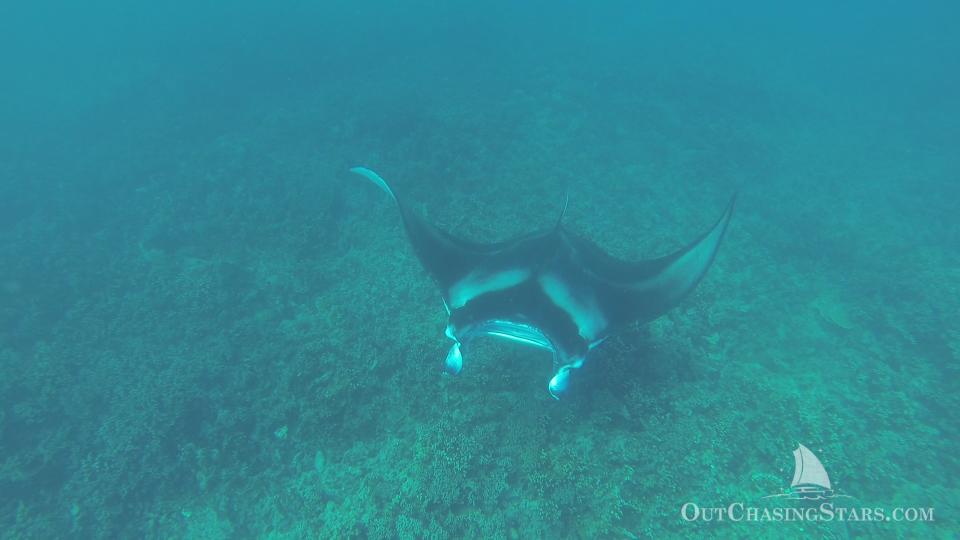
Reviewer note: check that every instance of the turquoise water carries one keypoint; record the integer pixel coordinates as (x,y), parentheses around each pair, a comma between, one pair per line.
(210,329)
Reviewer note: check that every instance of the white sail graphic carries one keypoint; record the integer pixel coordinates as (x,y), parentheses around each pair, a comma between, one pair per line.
(810,481)
(808,469)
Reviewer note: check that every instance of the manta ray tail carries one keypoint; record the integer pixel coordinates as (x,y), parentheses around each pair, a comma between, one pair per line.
(563,210)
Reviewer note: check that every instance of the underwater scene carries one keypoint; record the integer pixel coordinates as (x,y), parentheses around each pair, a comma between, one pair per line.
(443,270)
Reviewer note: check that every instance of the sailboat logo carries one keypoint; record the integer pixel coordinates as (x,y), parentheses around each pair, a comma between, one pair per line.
(810,480)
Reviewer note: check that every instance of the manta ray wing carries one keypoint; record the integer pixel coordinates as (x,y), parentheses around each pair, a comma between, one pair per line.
(464,269)
(629,292)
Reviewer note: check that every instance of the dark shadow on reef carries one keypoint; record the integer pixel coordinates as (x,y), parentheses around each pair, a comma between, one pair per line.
(624,363)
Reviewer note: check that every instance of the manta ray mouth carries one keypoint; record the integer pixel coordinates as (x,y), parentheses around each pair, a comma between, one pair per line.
(517,332)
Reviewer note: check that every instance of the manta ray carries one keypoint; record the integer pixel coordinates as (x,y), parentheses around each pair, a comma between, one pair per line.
(551,289)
